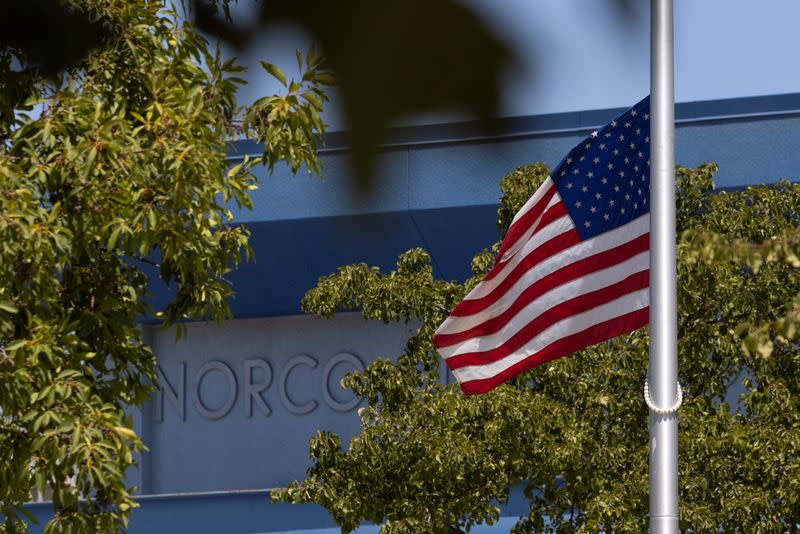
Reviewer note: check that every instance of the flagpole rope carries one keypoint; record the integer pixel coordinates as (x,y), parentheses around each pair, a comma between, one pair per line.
(661,411)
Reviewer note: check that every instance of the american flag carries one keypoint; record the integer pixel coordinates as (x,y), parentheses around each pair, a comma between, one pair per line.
(573,268)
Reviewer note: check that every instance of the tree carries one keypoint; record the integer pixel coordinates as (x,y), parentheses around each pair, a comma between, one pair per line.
(573,433)
(113,178)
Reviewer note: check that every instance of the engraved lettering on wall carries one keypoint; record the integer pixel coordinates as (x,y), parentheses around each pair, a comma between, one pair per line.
(303,387)
(175,393)
(201,407)
(296,361)
(252,390)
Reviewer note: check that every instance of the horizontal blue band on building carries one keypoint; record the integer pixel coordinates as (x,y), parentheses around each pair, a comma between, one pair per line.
(443,197)
(250,511)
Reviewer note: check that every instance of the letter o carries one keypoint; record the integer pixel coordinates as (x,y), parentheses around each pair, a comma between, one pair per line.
(223,410)
(342,357)
(295,361)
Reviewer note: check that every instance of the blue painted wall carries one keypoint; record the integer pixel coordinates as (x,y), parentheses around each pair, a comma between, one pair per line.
(437,188)
(445,166)
(251,512)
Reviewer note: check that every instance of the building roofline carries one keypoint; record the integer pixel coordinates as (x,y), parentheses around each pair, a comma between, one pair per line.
(550,124)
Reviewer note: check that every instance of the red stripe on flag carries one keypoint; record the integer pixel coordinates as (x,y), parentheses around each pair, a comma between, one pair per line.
(555,245)
(524,223)
(562,347)
(552,316)
(583,267)
(552,214)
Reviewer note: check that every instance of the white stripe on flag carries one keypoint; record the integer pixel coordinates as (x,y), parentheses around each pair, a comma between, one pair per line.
(558,227)
(572,325)
(544,188)
(590,247)
(575,288)
(523,239)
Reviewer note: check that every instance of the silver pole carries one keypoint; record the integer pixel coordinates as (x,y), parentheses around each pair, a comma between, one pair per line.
(663,371)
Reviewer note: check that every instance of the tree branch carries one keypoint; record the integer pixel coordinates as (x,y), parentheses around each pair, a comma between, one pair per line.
(147,261)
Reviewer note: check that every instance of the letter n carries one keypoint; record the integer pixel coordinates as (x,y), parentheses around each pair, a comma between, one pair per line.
(176,396)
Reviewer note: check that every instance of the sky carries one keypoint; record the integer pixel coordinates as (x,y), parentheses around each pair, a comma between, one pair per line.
(578,55)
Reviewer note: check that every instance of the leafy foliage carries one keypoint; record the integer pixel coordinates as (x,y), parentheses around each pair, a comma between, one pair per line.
(573,433)
(288,125)
(121,172)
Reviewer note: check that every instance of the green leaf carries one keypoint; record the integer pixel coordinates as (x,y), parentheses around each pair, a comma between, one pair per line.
(111,244)
(312,99)
(17,344)
(8,306)
(275,72)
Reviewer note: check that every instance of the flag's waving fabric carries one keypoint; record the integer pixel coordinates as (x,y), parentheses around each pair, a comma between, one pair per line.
(573,268)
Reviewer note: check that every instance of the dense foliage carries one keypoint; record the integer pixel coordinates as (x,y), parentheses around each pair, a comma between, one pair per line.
(573,433)
(113,178)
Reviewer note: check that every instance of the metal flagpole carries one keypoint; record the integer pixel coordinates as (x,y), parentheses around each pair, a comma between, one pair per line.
(663,370)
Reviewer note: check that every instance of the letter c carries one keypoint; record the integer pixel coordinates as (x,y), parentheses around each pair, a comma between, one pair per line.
(296,361)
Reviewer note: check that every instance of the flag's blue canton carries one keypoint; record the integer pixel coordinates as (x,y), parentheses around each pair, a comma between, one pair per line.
(605,180)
